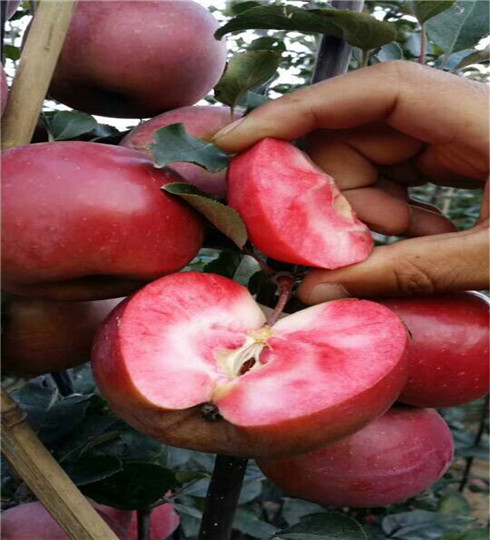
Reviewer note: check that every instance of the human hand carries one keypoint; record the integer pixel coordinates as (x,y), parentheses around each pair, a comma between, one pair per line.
(377,131)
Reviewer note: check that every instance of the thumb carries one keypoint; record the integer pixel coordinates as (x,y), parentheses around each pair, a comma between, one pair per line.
(419,266)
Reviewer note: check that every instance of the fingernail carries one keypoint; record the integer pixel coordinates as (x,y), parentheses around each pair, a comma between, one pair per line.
(328,291)
(228,129)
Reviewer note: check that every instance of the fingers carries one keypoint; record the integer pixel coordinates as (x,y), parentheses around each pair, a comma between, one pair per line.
(420,266)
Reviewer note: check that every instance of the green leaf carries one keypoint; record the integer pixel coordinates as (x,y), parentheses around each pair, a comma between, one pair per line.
(248,522)
(453,503)
(244,72)
(391,51)
(246,269)
(254,100)
(34,399)
(225,265)
(460,27)
(66,125)
(90,469)
(294,509)
(135,487)
(234,7)
(325,526)
(63,418)
(173,143)
(11,52)
(477,57)
(224,218)
(358,29)
(472,534)
(426,9)
(268,43)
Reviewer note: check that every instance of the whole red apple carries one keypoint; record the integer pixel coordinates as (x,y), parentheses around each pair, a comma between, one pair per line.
(137,59)
(87,221)
(31,521)
(43,336)
(395,457)
(293,211)
(449,352)
(201,122)
(190,360)
(4,90)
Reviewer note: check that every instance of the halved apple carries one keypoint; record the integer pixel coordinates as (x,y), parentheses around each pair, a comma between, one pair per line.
(191,361)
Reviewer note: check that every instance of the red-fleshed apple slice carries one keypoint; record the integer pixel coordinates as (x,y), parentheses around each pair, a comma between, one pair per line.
(293,211)
(190,360)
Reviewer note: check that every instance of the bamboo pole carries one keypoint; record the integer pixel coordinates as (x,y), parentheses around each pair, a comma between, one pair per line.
(36,66)
(47,480)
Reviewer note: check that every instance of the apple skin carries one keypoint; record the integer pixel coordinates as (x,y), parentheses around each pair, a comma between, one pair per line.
(449,353)
(4,90)
(199,121)
(161,359)
(293,211)
(88,221)
(42,336)
(31,521)
(137,59)
(395,457)
(12,6)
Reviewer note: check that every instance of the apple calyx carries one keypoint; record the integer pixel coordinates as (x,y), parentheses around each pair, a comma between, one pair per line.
(237,362)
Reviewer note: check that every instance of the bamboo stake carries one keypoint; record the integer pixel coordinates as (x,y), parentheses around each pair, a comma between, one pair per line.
(47,480)
(36,67)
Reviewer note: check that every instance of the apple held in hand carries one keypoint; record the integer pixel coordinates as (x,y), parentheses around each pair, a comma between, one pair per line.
(86,221)
(31,521)
(449,352)
(137,59)
(190,361)
(42,336)
(395,457)
(201,122)
(293,211)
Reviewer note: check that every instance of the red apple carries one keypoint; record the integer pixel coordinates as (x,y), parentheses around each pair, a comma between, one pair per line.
(42,336)
(12,6)
(199,121)
(191,361)
(31,521)
(395,457)
(86,221)
(4,90)
(293,211)
(137,59)
(449,353)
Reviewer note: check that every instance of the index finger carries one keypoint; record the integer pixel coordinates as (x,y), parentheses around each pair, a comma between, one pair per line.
(425,103)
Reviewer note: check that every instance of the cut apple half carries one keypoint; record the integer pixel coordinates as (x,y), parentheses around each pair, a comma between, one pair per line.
(191,361)
(293,211)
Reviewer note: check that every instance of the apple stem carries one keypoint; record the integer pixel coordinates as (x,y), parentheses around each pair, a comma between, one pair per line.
(476,442)
(222,498)
(143,517)
(268,271)
(285,283)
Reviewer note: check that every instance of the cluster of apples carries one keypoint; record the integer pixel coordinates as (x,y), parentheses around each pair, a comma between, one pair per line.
(190,358)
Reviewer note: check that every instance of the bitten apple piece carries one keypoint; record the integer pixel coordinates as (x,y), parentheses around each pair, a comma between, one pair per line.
(190,360)
(395,457)
(293,211)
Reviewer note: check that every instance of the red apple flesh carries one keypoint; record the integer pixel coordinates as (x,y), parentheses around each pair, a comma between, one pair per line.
(87,221)
(449,353)
(190,361)
(293,211)
(201,122)
(31,521)
(42,336)
(395,457)
(137,59)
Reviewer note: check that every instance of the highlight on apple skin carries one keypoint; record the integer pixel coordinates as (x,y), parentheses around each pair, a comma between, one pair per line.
(190,361)
(87,221)
(449,352)
(137,59)
(199,121)
(31,521)
(43,336)
(395,457)
(293,211)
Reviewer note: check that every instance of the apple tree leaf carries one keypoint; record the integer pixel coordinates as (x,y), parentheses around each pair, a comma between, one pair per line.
(460,27)
(89,469)
(225,264)
(224,218)
(173,143)
(324,526)
(248,522)
(267,43)
(135,487)
(254,100)
(246,71)
(65,125)
(358,29)
(11,51)
(426,9)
